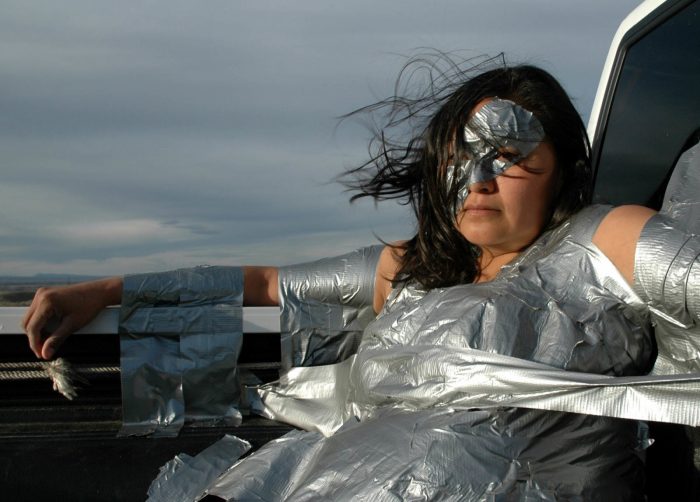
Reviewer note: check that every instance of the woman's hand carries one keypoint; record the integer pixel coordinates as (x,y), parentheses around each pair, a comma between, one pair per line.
(72,307)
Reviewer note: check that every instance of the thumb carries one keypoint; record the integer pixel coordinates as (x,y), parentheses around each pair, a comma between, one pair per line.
(56,339)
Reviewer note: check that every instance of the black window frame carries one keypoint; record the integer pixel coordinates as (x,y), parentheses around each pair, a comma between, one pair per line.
(641,29)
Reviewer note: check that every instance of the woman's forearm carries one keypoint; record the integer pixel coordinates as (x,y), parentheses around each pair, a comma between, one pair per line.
(260,286)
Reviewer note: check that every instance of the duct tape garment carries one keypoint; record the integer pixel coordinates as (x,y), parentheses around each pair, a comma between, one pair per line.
(406,431)
(324,307)
(180,336)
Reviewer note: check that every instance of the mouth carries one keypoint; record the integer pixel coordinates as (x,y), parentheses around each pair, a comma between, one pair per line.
(479,209)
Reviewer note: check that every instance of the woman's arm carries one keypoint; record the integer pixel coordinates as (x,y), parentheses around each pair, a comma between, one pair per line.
(618,235)
(76,305)
(71,306)
(260,286)
(387,269)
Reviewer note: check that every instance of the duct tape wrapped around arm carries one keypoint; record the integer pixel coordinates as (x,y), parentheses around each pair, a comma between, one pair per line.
(180,335)
(667,275)
(667,269)
(325,306)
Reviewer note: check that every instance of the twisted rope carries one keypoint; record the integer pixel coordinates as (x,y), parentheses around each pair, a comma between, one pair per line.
(64,377)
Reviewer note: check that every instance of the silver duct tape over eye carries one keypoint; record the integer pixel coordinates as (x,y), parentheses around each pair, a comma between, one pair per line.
(499,135)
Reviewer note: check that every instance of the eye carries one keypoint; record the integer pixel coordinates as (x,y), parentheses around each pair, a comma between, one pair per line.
(510,156)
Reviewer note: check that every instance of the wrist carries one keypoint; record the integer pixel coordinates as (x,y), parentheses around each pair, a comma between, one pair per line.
(111,288)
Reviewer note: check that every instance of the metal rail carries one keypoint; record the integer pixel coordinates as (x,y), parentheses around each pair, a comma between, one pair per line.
(255,320)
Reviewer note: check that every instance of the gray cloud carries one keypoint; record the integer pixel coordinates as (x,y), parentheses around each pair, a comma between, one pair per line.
(165,134)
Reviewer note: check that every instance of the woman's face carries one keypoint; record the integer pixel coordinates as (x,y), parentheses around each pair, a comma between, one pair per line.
(507,213)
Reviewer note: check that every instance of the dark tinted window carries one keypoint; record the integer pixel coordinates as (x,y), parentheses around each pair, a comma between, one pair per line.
(655,109)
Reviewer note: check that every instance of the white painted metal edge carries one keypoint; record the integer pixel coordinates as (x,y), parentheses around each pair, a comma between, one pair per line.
(255,320)
(639,13)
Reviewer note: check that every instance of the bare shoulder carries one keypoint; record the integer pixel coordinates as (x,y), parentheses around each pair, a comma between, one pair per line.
(618,234)
(387,268)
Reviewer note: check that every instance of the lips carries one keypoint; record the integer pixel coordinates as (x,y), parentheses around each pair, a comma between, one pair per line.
(479,208)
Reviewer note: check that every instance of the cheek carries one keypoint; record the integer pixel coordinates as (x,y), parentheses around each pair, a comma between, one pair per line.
(530,206)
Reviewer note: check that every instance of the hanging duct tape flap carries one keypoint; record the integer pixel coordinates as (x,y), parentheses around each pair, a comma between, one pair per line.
(186,478)
(181,334)
(325,306)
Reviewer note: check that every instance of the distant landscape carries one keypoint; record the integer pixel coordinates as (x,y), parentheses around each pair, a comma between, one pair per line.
(19,291)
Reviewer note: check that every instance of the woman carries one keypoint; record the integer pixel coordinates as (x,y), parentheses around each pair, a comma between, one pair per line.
(416,179)
(504,261)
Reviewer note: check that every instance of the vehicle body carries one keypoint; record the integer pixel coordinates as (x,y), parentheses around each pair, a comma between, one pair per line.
(646,111)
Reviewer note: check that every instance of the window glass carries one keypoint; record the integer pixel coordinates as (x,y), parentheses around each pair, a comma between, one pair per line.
(655,109)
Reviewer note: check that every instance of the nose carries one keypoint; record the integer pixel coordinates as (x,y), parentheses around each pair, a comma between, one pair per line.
(488,186)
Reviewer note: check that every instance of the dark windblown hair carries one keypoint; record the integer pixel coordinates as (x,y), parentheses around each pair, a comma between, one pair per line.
(413,171)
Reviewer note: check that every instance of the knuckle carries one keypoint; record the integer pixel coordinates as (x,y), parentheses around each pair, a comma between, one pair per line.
(42,294)
(46,296)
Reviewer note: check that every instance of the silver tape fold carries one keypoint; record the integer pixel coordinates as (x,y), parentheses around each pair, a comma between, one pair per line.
(447,454)
(664,262)
(667,276)
(325,305)
(400,415)
(667,269)
(679,342)
(681,197)
(562,304)
(436,355)
(425,377)
(186,478)
(272,472)
(180,335)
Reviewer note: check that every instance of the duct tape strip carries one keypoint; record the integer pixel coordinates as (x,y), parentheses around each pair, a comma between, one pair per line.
(281,459)
(681,198)
(663,261)
(499,135)
(422,377)
(667,276)
(186,478)
(180,333)
(325,305)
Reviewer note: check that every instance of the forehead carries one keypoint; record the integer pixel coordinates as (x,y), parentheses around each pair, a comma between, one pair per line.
(501,122)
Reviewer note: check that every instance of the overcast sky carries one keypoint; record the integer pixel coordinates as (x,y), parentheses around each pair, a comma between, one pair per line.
(149,135)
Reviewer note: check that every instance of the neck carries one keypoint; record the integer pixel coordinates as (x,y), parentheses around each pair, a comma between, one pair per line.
(490,265)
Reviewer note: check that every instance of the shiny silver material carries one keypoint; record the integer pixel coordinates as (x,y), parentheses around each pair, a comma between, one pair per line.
(185,478)
(325,305)
(284,459)
(499,135)
(667,275)
(180,335)
(419,377)
(666,272)
(681,201)
(677,333)
(446,454)
(679,345)
(561,306)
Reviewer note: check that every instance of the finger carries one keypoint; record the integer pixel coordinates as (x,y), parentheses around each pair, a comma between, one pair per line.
(30,311)
(43,313)
(27,316)
(54,341)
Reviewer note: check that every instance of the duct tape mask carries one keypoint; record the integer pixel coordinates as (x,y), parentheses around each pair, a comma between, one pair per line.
(500,126)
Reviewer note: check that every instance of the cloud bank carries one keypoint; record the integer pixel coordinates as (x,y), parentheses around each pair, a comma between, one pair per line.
(165,134)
